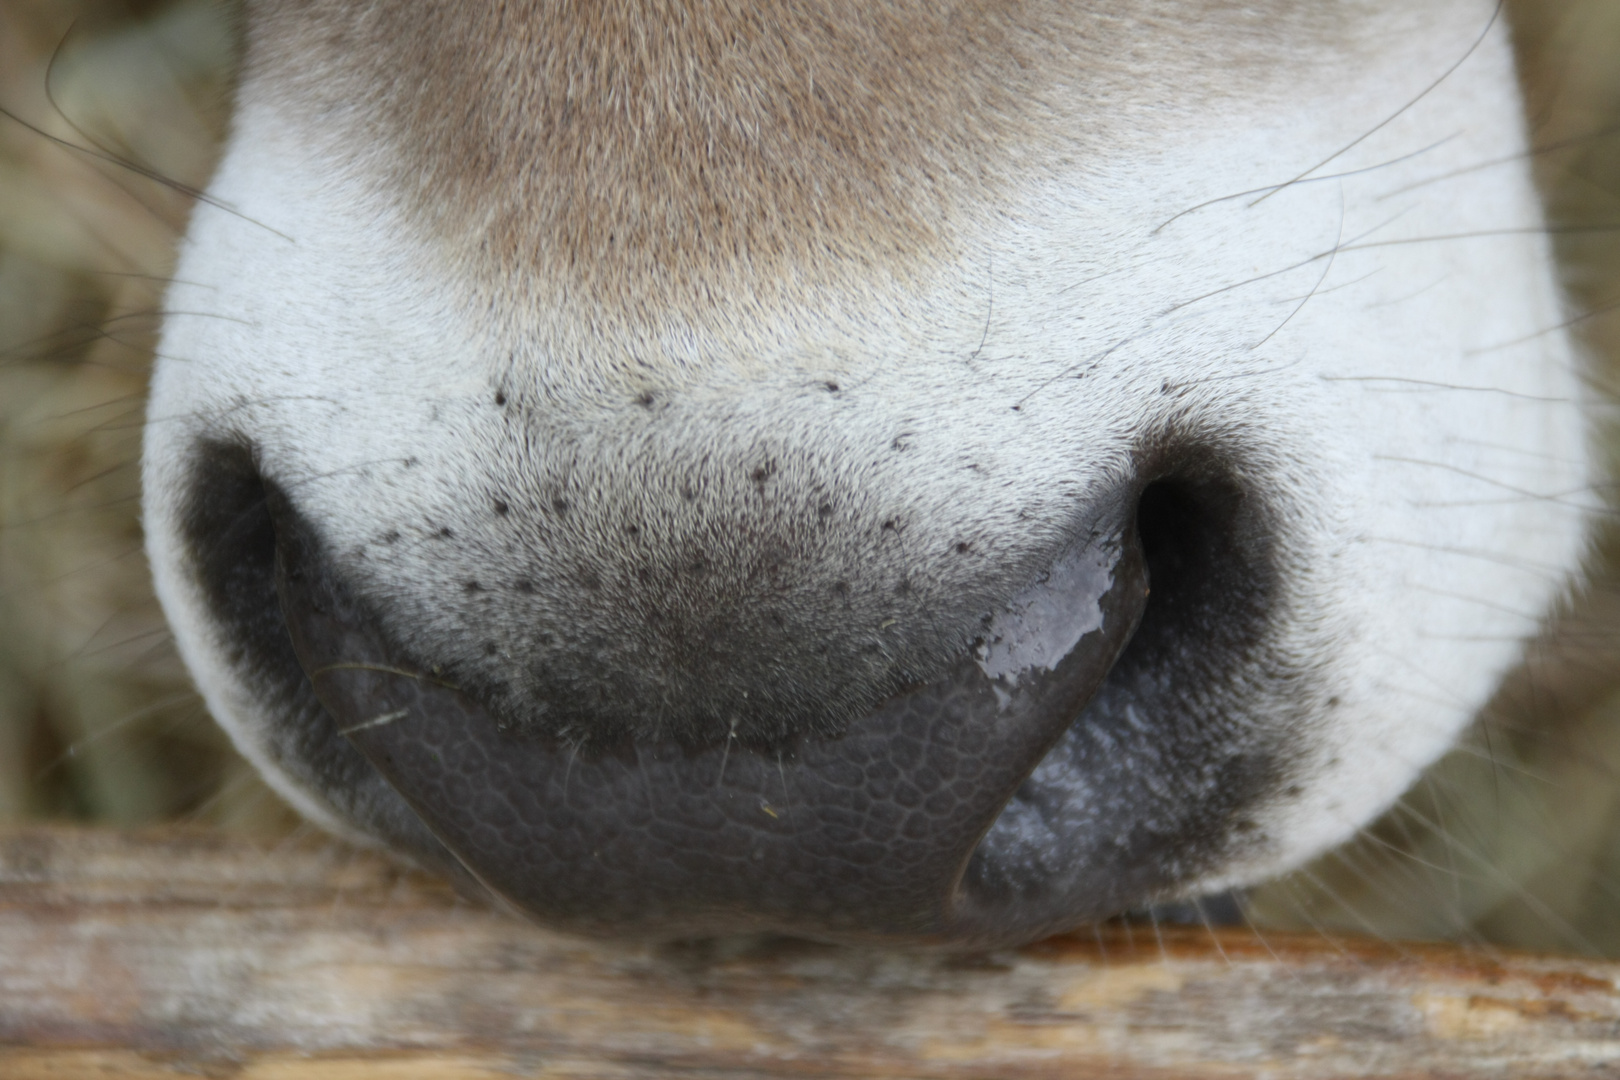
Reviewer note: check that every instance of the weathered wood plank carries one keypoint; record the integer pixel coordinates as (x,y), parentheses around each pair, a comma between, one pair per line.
(170,953)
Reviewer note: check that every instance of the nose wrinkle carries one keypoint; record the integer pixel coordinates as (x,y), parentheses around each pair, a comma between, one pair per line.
(862,836)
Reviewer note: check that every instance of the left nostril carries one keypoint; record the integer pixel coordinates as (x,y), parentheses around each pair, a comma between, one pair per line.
(231,545)
(863,835)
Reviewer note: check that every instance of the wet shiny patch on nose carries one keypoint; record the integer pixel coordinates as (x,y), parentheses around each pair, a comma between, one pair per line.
(869,835)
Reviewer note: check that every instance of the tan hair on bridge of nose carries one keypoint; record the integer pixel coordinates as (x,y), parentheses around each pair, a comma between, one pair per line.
(684,154)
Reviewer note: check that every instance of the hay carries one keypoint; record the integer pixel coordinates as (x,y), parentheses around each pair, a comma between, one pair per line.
(97,717)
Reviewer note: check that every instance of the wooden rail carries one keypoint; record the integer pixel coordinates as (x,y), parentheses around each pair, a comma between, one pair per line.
(186,953)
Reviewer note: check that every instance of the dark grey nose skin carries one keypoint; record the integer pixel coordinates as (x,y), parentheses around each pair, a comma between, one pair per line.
(1090,749)
(876,834)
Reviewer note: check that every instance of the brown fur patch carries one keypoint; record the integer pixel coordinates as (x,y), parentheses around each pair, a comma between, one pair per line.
(669,153)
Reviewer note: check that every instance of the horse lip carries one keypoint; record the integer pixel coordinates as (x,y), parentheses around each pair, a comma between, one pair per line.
(858,837)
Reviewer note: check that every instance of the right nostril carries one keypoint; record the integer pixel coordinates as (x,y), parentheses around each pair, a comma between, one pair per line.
(1145,790)
(1206,574)
(1167,521)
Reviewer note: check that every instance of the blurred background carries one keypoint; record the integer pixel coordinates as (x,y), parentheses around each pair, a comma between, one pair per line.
(97,718)
(113,113)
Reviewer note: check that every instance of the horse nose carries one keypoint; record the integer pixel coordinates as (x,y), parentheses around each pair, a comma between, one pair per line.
(878,828)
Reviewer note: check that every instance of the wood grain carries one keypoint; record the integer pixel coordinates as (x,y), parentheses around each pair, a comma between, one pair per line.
(184,953)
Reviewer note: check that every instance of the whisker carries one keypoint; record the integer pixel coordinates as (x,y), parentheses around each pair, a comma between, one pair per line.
(1496,14)
(150,174)
(1209,927)
(384,669)
(1470,474)
(1326,270)
(1599,228)
(110,728)
(1508,159)
(1269,189)
(1429,384)
(1592,313)
(376,721)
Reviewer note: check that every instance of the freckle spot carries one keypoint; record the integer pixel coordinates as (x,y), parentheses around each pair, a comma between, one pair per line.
(832,388)
(891,525)
(500,397)
(825,510)
(501,508)
(411,462)
(560,505)
(490,648)
(963,547)
(591,580)
(445,533)
(524,586)
(841,588)
(473,586)
(1294,791)
(645,400)
(391,536)
(632,530)
(688,493)
(1333,702)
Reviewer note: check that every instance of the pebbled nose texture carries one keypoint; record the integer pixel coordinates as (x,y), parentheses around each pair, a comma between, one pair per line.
(877,834)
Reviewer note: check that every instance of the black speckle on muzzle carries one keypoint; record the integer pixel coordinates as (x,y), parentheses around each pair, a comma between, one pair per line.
(881,833)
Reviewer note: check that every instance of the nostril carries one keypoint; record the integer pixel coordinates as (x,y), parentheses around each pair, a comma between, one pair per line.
(232,544)
(1148,784)
(228,529)
(1207,566)
(1168,521)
